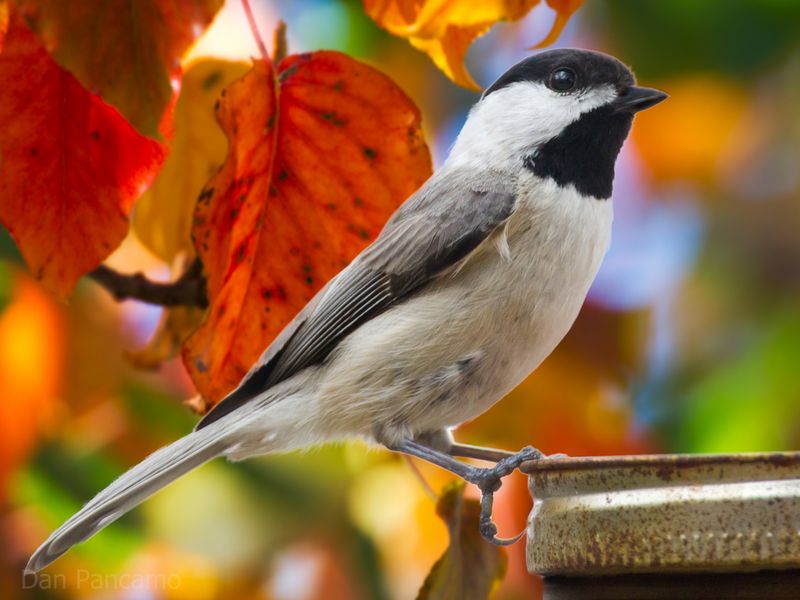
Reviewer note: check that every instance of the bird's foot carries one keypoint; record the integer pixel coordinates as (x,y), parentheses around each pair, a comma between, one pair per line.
(489,480)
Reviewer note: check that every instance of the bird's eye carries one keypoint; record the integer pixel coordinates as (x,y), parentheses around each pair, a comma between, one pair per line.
(562,80)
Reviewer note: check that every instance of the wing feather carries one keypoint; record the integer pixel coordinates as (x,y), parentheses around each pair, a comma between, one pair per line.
(426,237)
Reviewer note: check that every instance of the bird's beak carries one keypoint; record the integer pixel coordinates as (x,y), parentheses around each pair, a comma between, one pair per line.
(634,98)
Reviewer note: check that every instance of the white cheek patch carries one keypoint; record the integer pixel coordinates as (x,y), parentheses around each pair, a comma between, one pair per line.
(595,97)
(512,121)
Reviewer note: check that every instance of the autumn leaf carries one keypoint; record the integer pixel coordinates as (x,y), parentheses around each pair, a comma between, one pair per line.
(449,50)
(471,567)
(128,51)
(71,165)
(564,10)
(320,155)
(162,219)
(445,29)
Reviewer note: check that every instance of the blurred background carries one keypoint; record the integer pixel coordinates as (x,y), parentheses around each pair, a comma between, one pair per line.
(690,340)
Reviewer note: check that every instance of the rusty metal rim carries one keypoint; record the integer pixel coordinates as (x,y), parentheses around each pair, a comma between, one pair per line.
(570,463)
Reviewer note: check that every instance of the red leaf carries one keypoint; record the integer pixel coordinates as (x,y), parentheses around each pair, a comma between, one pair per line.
(318,160)
(71,165)
(128,51)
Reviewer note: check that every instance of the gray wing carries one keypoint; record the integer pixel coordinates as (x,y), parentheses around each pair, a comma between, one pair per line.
(427,236)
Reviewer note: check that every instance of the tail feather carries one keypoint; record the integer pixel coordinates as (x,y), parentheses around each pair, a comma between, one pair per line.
(133,487)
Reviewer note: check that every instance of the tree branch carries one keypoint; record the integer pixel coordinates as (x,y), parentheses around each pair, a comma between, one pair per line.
(188,290)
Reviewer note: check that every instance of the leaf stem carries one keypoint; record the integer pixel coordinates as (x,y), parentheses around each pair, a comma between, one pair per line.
(188,290)
(254,28)
(279,45)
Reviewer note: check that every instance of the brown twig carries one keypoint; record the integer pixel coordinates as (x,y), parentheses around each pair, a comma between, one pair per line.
(188,290)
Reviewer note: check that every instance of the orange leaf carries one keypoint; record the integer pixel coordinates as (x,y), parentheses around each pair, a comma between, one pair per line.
(564,10)
(471,567)
(128,51)
(449,50)
(444,29)
(71,165)
(319,157)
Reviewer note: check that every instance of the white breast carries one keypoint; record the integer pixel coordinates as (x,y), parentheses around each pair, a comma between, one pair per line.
(450,352)
(557,240)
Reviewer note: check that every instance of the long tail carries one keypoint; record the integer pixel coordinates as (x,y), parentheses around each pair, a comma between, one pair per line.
(133,487)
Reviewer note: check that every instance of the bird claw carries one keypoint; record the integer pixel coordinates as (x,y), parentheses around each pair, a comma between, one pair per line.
(489,480)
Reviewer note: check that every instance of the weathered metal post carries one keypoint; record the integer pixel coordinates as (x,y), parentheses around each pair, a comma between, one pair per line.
(666,526)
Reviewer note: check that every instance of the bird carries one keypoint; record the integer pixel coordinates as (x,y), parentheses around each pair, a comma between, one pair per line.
(471,284)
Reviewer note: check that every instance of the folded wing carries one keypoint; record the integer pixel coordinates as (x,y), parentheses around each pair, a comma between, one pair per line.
(429,235)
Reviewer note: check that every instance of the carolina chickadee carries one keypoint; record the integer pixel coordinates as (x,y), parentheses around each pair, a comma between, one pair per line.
(471,284)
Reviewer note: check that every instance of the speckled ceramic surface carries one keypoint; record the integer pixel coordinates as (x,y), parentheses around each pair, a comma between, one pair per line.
(664,513)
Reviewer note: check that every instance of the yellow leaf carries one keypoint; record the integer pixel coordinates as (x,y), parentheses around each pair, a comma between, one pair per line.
(444,29)
(471,567)
(162,219)
(448,52)
(433,17)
